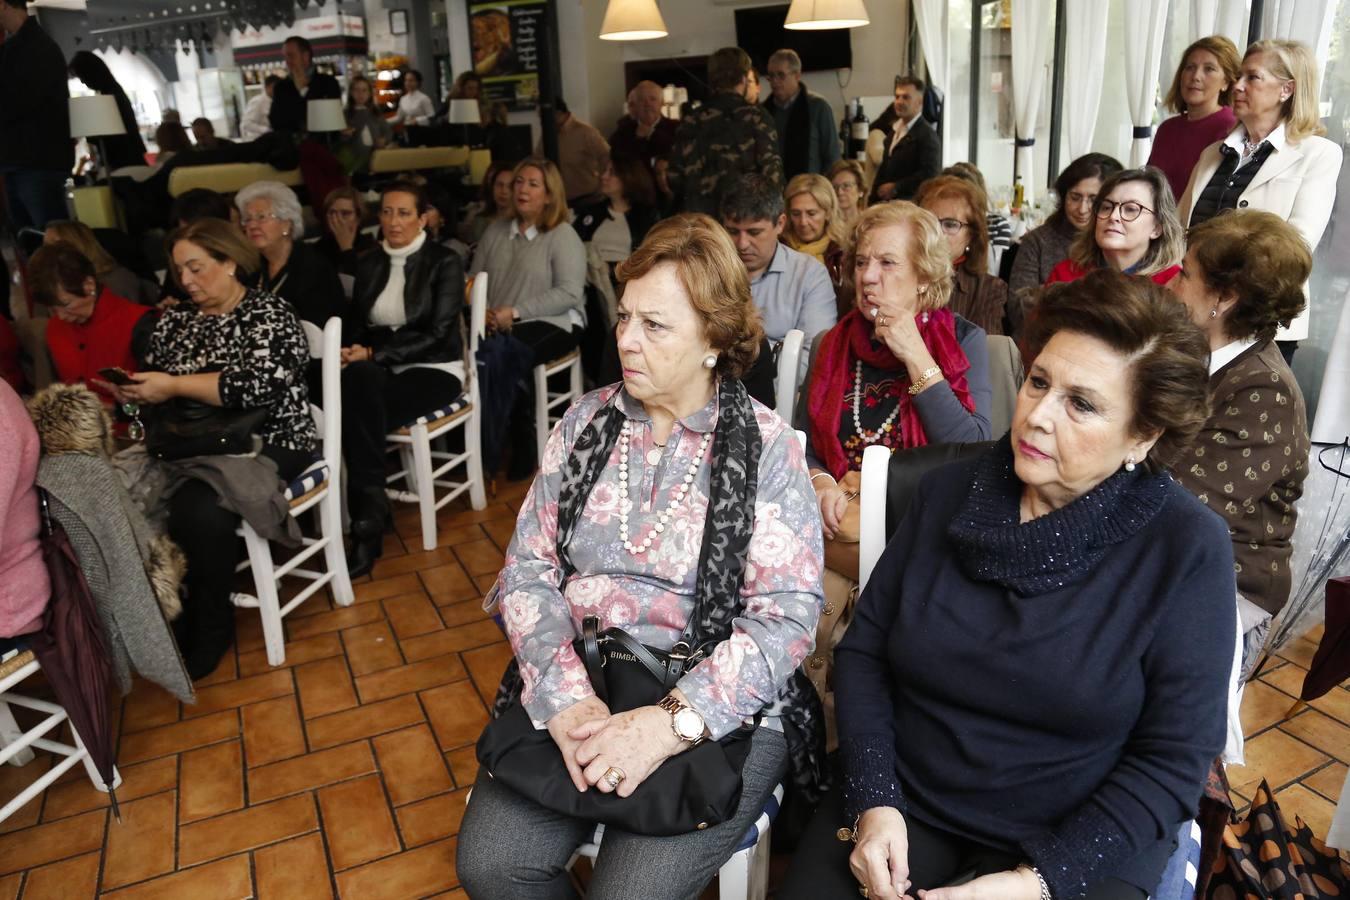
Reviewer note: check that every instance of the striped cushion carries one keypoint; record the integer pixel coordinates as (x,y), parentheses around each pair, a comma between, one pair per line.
(1182,872)
(315,475)
(752,835)
(448,409)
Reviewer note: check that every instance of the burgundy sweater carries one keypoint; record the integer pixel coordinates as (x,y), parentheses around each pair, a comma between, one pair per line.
(24,587)
(1179,142)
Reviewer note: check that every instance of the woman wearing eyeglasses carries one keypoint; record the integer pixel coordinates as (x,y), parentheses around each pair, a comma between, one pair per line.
(297,273)
(1136,230)
(343,242)
(959,206)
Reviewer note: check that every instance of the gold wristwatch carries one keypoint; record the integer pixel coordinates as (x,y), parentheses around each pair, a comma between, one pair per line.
(685,721)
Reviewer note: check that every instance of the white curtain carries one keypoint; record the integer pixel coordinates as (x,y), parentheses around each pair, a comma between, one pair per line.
(1031,37)
(1308,21)
(931,16)
(1144,24)
(1225,17)
(1085,64)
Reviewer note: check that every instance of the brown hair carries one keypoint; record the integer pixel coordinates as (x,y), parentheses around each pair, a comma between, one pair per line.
(345,193)
(638,187)
(713,275)
(1261,261)
(945,187)
(171,137)
(1167,356)
(927,250)
(727,68)
(221,240)
(1225,52)
(555,210)
(82,238)
(370,96)
(1293,61)
(489,179)
(1165,250)
(854,168)
(820,189)
(58,265)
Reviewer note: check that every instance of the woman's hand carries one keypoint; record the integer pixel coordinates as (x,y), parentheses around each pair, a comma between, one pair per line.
(1019,884)
(355,353)
(344,230)
(590,711)
(635,742)
(834,498)
(880,859)
(502,318)
(150,387)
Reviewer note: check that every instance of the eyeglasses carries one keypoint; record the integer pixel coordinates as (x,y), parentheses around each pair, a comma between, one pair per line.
(1129,210)
(777,76)
(259,218)
(953,226)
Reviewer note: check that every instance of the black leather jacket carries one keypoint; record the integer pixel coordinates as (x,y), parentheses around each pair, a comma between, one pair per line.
(433,299)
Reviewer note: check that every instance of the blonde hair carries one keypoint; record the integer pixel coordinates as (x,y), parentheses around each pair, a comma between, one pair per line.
(1167,249)
(928,251)
(555,210)
(81,237)
(823,192)
(1293,61)
(854,168)
(1223,50)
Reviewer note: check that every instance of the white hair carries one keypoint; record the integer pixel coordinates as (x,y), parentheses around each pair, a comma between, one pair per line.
(285,205)
(788,58)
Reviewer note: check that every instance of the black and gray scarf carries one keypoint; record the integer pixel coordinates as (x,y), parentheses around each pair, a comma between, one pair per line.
(727,531)
(797,141)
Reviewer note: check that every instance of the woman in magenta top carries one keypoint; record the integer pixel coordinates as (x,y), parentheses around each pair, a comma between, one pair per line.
(24,588)
(1202,96)
(1135,230)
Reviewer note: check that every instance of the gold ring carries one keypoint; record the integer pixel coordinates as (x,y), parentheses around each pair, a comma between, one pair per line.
(881,320)
(614,776)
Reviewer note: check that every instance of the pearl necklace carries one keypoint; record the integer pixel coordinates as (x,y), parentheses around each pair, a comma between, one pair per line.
(869,437)
(626,506)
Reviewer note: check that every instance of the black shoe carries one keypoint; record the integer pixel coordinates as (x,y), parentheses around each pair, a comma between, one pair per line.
(365,551)
(210,632)
(370,516)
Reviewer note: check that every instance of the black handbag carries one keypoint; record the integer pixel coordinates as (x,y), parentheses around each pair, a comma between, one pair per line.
(183,428)
(693,790)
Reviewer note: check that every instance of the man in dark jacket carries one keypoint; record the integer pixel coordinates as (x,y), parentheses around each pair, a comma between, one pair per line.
(913,150)
(808,136)
(36,154)
(723,139)
(644,133)
(300,86)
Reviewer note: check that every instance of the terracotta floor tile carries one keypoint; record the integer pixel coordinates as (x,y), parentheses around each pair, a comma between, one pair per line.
(272,731)
(498,510)
(486,665)
(1288,678)
(43,844)
(248,633)
(304,773)
(432,819)
(211,781)
(358,822)
(451,640)
(226,670)
(13,779)
(138,781)
(293,870)
(298,653)
(147,706)
(463,765)
(1299,652)
(1262,707)
(142,846)
(176,738)
(66,880)
(464,612)
(371,648)
(480,557)
(325,687)
(363,722)
(412,765)
(334,620)
(412,562)
(241,692)
(414,873)
(388,587)
(1275,756)
(1328,782)
(409,678)
(238,831)
(1323,732)
(412,614)
(501,531)
(456,714)
(1335,703)
(9,886)
(485,582)
(458,534)
(1316,810)
(228,879)
(393,546)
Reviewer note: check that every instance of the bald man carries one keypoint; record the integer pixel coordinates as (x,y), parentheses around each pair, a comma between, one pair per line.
(644,133)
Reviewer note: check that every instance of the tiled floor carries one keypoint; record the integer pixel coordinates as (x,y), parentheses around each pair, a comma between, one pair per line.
(343,774)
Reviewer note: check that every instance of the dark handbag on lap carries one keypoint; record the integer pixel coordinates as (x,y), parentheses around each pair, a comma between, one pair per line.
(696,789)
(183,428)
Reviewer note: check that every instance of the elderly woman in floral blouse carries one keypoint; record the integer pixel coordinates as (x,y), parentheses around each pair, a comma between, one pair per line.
(634,540)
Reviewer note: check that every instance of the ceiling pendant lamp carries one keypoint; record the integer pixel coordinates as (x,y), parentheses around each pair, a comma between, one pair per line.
(632,20)
(819,15)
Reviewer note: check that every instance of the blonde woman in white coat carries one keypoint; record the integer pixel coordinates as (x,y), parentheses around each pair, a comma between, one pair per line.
(1276,159)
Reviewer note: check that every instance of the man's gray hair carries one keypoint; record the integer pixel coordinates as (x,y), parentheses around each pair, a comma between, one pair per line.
(788,58)
(285,205)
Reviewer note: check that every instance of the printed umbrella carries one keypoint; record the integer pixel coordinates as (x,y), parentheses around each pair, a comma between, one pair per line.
(1263,857)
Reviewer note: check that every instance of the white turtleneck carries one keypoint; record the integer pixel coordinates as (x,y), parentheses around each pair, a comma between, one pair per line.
(390,310)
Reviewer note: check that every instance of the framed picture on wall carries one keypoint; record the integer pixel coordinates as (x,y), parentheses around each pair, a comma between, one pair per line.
(398,21)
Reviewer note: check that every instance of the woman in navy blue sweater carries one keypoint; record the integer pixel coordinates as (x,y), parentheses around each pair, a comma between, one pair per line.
(1033,687)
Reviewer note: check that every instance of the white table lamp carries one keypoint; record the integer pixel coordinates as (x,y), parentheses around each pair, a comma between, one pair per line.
(96,117)
(325,115)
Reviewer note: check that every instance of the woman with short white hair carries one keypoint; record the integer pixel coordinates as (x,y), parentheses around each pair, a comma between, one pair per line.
(269,213)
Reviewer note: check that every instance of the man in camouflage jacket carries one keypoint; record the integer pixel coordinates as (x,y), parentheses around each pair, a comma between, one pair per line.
(725,138)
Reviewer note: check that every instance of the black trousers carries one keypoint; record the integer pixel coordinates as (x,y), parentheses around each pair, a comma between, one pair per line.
(374,400)
(820,869)
(547,343)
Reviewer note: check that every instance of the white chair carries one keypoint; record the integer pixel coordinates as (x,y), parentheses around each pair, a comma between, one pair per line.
(546,402)
(414,439)
(314,488)
(785,384)
(872,510)
(16,745)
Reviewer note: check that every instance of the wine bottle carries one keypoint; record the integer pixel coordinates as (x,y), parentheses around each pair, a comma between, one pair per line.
(857,145)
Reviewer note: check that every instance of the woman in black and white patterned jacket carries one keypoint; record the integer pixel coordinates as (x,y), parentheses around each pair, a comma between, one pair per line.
(238,348)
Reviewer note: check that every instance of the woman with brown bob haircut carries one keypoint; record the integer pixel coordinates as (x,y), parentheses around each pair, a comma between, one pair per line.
(666,501)
(1202,98)
(960,209)
(1061,550)
(1242,280)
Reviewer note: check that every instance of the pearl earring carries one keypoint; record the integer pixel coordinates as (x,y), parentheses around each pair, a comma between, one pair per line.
(1214,313)
(1129,464)
(709,361)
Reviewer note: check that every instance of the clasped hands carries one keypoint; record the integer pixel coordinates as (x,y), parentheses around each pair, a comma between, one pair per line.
(880,863)
(592,742)
(355,353)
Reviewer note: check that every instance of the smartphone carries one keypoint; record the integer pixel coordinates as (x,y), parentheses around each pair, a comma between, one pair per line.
(116,375)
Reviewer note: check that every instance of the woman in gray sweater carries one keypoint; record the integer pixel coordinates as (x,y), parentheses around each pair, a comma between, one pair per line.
(536,267)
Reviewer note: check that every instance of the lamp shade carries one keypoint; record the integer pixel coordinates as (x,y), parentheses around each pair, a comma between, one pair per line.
(464,112)
(95,116)
(819,15)
(632,20)
(325,115)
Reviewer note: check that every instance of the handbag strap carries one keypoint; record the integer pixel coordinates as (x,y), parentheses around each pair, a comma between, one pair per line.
(666,673)
(590,655)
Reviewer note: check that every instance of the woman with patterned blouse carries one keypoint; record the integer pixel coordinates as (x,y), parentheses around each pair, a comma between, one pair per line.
(239,348)
(638,482)
(1242,279)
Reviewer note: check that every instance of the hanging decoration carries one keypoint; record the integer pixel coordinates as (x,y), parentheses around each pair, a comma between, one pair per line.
(143,25)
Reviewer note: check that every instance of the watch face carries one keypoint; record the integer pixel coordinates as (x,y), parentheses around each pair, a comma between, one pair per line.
(689,724)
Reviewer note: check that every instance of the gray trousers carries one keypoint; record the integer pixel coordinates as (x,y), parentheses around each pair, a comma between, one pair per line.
(510,847)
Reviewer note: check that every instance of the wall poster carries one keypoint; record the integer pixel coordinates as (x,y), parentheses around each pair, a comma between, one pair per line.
(505,37)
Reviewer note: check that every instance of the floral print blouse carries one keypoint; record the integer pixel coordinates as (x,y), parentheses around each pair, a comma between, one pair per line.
(260,351)
(652,595)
